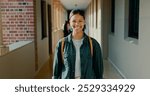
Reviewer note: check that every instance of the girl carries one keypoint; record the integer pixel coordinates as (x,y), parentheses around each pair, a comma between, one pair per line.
(81,57)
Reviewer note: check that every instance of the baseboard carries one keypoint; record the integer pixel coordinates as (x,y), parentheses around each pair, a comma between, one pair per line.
(118,70)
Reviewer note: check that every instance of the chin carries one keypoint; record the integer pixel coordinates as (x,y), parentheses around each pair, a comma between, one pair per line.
(78,30)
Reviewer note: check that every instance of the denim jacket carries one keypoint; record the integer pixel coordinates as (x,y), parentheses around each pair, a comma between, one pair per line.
(91,65)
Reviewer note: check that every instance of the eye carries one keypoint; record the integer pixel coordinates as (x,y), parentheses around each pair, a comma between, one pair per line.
(80,21)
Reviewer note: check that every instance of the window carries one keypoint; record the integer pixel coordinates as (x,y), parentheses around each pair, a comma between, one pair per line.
(43,18)
(133,25)
(112,16)
(96,14)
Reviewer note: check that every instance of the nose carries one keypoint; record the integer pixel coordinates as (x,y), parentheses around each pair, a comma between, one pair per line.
(77,23)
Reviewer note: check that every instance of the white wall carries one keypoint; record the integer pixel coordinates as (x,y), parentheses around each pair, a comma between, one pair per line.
(42,44)
(105,25)
(131,59)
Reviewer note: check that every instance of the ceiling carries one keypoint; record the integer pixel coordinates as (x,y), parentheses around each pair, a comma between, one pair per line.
(75,4)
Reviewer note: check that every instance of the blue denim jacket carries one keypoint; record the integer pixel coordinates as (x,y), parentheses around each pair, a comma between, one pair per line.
(91,65)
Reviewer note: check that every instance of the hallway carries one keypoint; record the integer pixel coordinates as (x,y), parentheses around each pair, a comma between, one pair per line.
(30,30)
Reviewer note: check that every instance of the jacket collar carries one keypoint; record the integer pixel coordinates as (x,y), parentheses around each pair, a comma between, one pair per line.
(84,36)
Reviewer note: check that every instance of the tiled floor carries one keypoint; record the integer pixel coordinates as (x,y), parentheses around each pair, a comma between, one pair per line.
(109,71)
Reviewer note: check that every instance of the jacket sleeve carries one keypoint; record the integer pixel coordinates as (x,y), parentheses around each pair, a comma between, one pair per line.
(57,62)
(97,60)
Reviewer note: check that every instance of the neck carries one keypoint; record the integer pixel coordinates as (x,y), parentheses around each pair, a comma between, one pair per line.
(77,35)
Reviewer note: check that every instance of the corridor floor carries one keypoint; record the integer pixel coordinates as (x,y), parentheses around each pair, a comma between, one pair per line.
(109,71)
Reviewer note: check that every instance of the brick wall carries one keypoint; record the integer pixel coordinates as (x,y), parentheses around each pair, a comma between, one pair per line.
(17,20)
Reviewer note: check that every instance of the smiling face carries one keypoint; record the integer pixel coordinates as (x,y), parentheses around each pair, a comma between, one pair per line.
(77,23)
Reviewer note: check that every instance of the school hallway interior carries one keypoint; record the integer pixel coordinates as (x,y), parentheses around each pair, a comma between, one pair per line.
(30,30)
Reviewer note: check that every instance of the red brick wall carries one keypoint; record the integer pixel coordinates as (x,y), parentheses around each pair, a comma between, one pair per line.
(17,20)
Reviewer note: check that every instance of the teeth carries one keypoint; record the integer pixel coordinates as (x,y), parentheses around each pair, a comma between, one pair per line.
(77,28)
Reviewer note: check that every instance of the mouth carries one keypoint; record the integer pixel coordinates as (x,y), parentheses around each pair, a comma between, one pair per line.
(77,27)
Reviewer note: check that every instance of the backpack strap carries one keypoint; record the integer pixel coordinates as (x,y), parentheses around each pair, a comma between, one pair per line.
(62,49)
(91,46)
